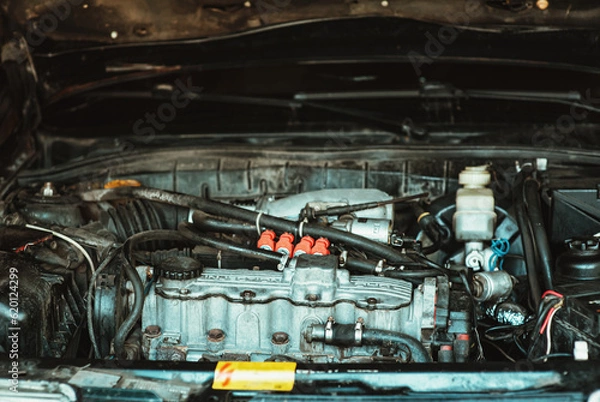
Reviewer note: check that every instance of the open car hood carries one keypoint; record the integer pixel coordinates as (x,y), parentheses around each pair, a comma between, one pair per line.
(114,21)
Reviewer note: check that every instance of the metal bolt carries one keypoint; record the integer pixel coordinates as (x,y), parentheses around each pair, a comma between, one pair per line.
(247,295)
(152,330)
(371,301)
(280,338)
(184,291)
(312,297)
(216,335)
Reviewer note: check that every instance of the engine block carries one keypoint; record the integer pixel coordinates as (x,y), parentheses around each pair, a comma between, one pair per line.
(253,315)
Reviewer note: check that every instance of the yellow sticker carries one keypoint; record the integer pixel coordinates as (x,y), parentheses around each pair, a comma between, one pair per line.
(122,183)
(255,376)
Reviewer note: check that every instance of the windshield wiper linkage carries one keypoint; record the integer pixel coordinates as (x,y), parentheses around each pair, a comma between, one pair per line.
(441,91)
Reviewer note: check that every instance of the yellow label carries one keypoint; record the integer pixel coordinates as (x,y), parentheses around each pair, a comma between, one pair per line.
(255,376)
(122,183)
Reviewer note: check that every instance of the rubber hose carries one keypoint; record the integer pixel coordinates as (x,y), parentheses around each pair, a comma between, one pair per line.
(389,338)
(362,266)
(534,210)
(527,241)
(208,223)
(136,281)
(186,230)
(211,207)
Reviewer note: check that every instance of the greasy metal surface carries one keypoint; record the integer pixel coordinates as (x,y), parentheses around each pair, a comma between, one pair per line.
(116,21)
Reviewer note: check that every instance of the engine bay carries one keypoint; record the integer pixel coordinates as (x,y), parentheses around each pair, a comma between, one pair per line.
(252,257)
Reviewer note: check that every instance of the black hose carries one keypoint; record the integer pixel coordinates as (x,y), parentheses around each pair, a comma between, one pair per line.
(526,239)
(534,210)
(264,255)
(377,249)
(437,233)
(361,266)
(389,338)
(370,267)
(208,223)
(433,248)
(136,281)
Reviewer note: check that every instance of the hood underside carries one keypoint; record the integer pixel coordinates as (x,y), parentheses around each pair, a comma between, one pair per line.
(116,21)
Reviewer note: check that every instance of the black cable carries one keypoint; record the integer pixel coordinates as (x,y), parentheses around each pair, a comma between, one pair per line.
(138,287)
(534,210)
(469,291)
(526,239)
(430,264)
(383,251)
(551,356)
(543,311)
(370,267)
(346,209)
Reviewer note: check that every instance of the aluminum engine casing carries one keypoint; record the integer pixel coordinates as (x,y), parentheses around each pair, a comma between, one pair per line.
(248,307)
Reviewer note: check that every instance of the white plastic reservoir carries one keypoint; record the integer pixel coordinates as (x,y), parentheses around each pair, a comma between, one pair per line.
(474,219)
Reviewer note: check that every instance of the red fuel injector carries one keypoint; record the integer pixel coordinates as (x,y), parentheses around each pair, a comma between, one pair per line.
(266,241)
(285,244)
(321,247)
(304,246)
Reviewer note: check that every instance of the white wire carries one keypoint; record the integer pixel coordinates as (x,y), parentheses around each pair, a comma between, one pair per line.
(78,246)
(549,331)
(260,214)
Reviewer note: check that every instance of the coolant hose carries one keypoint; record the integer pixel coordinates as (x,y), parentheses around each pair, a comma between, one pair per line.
(136,281)
(528,245)
(216,208)
(389,338)
(534,210)
(345,335)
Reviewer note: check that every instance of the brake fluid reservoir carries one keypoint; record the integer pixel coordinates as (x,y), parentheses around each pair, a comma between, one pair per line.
(474,219)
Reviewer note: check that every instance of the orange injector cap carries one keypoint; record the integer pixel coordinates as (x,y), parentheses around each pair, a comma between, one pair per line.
(266,241)
(285,244)
(321,247)
(304,246)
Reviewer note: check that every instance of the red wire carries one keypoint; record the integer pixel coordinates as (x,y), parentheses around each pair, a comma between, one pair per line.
(547,320)
(553,293)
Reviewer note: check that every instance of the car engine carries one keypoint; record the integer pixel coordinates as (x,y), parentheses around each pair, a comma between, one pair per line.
(449,263)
